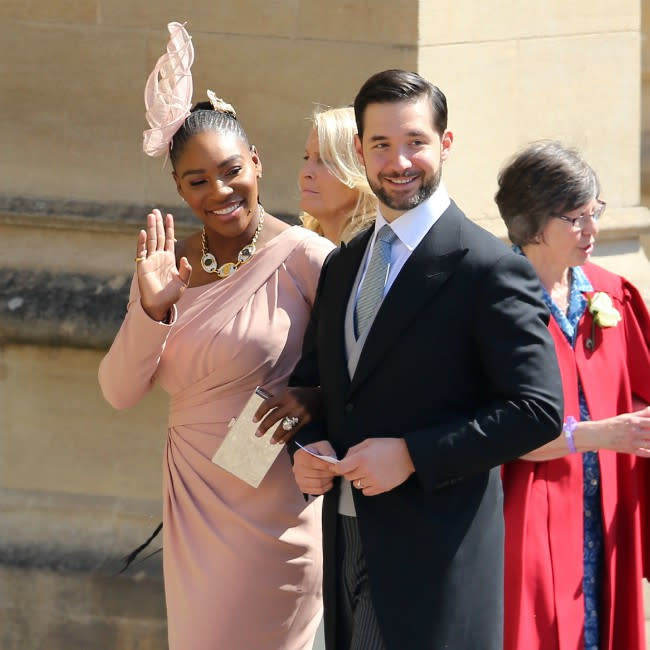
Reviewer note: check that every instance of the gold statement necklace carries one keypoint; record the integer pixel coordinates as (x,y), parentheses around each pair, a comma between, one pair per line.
(209,261)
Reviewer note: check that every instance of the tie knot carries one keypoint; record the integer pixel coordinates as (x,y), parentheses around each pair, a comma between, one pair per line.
(386,234)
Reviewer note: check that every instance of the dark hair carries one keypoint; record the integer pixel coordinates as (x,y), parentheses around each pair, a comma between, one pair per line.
(203,117)
(542,181)
(399,86)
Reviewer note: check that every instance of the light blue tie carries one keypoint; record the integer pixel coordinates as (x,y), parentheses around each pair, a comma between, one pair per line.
(372,289)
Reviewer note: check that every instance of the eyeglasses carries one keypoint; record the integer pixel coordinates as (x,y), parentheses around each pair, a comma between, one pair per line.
(578,223)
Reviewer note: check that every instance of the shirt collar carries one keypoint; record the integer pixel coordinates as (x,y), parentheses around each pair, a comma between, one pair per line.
(413,225)
(580,279)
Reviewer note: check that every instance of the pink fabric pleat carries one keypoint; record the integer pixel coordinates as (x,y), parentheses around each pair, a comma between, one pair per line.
(242,565)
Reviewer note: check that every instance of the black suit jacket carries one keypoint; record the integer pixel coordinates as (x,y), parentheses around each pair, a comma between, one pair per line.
(459,362)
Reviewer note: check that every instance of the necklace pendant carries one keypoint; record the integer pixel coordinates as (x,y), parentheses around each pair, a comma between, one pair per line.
(226,269)
(209,263)
(246,253)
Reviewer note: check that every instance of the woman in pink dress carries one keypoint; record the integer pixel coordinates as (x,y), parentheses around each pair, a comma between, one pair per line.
(210,318)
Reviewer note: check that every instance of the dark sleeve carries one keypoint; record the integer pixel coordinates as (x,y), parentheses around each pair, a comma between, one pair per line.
(306,372)
(523,389)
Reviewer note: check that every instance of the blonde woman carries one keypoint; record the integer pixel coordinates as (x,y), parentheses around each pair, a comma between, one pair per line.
(335,197)
(337,203)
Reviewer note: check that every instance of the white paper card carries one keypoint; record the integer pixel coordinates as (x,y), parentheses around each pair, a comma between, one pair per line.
(327,459)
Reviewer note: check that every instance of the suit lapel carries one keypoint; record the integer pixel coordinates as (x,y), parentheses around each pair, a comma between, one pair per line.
(427,269)
(342,276)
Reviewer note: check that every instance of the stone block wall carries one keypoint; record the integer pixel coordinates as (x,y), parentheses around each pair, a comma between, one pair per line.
(516,72)
(645,102)
(75,72)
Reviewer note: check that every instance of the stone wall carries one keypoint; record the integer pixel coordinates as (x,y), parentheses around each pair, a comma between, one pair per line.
(645,102)
(75,73)
(515,72)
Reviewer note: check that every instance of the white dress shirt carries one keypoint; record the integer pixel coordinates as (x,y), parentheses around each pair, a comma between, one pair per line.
(410,228)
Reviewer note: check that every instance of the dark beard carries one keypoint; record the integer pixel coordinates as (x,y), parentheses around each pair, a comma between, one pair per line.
(425,191)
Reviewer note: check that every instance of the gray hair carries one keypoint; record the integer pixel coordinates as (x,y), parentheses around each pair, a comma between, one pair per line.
(542,181)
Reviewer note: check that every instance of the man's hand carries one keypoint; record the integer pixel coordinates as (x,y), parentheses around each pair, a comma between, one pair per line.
(312,474)
(376,465)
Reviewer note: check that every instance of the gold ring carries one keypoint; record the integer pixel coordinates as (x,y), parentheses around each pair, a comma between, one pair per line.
(139,259)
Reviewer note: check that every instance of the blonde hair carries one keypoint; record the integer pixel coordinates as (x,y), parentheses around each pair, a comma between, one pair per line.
(335,129)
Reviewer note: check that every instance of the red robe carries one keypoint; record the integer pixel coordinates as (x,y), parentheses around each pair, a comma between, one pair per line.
(543,501)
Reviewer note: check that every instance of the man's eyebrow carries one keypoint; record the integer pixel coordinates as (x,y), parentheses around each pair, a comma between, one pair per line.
(410,134)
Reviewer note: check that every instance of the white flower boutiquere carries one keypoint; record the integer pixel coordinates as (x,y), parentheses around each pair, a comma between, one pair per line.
(603,310)
(604,314)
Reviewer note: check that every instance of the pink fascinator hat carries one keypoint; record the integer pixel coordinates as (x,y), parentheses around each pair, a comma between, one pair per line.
(168,93)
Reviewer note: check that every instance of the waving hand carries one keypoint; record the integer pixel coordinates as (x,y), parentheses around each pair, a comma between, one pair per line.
(161,283)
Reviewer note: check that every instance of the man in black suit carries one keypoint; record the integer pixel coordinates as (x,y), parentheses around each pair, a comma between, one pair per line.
(429,341)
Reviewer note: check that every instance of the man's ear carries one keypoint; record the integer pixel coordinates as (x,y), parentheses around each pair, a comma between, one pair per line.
(358,148)
(256,160)
(445,144)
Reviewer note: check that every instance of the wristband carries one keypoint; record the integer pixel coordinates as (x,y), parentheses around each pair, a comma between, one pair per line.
(569,427)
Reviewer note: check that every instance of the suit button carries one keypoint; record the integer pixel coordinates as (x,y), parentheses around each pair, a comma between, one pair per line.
(349,407)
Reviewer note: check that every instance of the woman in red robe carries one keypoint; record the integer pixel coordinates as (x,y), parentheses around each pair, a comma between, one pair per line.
(575,509)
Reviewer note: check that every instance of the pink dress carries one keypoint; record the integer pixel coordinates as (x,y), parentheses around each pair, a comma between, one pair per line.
(242,566)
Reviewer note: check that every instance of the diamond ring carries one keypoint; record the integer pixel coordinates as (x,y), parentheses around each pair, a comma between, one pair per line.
(290,422)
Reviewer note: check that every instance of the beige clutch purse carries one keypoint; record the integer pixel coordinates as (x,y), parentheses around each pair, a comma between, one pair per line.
(242,453)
